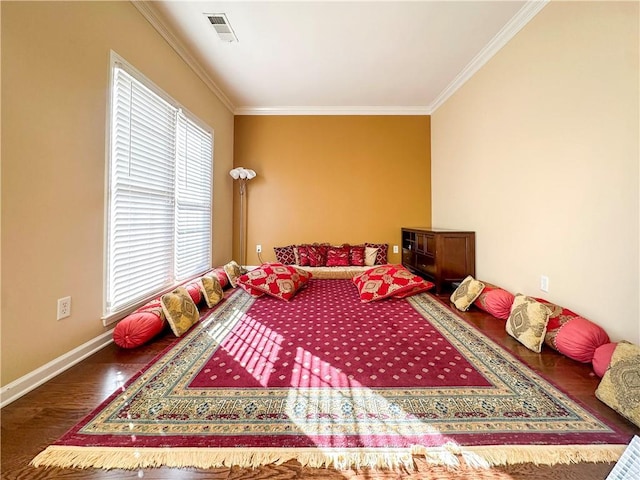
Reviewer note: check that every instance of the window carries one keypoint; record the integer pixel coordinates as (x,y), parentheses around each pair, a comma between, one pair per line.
(159,193)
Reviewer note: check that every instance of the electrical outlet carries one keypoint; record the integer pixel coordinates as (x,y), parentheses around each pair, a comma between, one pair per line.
(64,307)
(258,248)
(395,249)
(544,283)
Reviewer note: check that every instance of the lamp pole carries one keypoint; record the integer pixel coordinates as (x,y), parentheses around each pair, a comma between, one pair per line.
(243,174)
(243,224)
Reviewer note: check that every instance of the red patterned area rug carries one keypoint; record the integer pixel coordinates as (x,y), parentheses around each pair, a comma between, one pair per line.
(327,380)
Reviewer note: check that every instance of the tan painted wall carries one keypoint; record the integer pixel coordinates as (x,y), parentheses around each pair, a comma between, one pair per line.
(538,153)
(55,85)
(337,179)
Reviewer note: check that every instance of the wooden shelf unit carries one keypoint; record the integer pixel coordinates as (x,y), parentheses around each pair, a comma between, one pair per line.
(440,255)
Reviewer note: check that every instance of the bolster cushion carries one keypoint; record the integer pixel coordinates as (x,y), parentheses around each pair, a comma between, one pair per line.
(137,329)
(578,339)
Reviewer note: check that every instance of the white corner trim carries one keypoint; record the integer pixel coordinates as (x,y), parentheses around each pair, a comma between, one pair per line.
(355,110)
(34,379)
(519,20)
(148,12)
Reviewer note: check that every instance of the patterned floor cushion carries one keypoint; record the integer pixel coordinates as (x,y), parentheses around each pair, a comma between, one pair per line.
(620,385)
(387,281)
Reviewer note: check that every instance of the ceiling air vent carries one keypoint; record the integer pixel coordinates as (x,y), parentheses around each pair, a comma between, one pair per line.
(222,27)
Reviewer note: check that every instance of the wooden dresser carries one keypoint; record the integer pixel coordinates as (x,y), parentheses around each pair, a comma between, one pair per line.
(440,255)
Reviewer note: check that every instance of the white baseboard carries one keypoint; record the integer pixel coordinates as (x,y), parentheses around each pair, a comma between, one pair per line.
(34,379)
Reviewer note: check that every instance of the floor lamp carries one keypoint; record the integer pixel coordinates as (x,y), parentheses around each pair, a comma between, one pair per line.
(242,175)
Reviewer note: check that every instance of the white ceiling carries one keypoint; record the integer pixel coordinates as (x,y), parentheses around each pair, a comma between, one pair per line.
(339,57)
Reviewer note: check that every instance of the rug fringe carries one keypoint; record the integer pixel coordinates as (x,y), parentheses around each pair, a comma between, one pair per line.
(133,458)
(341,459)
(491,456)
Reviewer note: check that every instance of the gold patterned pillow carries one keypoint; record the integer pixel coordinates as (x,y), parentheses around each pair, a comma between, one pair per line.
(528,321)
(233,271)
(620,385)
(211,289)
(466,293)
(180,311)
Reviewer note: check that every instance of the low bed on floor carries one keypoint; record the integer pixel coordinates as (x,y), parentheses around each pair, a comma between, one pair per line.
(327,379)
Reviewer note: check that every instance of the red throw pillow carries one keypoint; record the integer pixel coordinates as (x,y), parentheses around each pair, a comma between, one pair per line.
(302,255)
(356,255)
(387,281)
(194,292)
(317,255)
(338,256)
(285,255)
(381,256)
(602,358)
(275,279)
(559,316)
(578,339)
(495,301)
(137,329)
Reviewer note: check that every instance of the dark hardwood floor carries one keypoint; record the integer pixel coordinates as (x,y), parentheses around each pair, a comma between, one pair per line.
(36,420)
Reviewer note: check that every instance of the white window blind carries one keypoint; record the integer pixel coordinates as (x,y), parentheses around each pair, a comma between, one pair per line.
(628,466)
(159,208)
(193,199)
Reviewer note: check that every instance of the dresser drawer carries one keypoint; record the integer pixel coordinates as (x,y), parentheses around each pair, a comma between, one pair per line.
(430,244)
(426,264)
(426,244)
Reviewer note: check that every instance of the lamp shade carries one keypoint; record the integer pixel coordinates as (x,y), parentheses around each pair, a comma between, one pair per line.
(242,173)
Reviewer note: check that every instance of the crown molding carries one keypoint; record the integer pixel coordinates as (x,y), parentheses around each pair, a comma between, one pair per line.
(355,110)
(519,20)
(149,13)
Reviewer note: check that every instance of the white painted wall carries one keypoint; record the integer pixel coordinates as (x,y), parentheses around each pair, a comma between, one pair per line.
(539,154)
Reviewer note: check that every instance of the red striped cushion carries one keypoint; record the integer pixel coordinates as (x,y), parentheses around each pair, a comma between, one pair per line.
(356,255)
